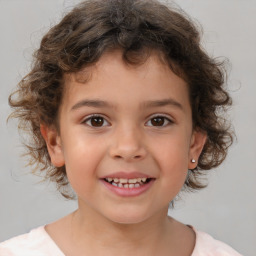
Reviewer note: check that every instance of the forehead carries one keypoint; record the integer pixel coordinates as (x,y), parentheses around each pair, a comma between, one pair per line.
(152,78)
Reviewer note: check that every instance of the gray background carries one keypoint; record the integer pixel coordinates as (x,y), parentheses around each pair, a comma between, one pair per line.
(226,209)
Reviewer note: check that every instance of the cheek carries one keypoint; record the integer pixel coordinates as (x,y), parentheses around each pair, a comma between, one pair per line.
(173,152)
(81,163)
(174,173)
(172,158)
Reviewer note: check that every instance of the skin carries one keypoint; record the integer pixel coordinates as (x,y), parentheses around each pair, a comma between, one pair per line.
(126,139)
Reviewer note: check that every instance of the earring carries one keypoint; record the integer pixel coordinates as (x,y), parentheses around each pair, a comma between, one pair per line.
(193,160)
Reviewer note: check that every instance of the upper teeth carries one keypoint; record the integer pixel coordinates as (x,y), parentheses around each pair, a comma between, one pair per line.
(131,181)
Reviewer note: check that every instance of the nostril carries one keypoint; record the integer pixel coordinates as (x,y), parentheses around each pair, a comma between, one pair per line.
(132,157)
(127,152)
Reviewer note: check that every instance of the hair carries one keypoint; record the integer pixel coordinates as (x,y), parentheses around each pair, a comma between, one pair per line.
(136,27)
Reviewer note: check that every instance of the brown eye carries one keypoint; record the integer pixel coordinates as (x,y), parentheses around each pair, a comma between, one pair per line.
(160,121)
(96,121)
(157,121)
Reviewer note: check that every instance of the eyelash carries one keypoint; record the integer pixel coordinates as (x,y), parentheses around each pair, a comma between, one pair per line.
(167,120)
(95,116)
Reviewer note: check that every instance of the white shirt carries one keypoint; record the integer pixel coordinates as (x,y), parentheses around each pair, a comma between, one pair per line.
(38,243)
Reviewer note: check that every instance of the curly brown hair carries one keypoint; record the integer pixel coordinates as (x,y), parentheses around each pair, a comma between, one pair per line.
(136,27)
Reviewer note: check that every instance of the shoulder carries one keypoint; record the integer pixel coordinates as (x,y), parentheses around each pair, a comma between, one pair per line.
(36,242)
(208,246)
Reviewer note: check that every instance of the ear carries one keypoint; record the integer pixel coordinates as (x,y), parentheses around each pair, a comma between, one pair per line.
(53,142)
(197,143)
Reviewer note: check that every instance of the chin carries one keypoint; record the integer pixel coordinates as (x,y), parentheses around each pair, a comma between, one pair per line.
(128,217)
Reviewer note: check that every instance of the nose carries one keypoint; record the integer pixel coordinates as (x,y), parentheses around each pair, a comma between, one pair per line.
(127,144)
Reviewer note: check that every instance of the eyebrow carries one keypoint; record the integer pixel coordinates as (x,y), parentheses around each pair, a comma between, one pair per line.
(147,104)
(162,103)
(91,103)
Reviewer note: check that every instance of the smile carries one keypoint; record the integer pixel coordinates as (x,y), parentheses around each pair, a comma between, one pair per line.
(125,187)
(127,183)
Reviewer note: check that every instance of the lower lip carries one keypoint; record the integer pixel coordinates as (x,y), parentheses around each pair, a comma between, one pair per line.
(128,192)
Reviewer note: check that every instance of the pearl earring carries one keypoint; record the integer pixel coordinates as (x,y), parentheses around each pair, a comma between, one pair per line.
(193,160)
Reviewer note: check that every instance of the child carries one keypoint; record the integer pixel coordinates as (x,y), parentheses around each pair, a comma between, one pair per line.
(124,105)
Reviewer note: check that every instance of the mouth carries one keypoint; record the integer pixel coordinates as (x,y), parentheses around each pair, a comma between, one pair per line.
(128,186)
(128,183)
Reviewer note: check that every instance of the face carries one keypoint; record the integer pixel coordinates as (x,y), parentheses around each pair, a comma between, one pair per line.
(126,138)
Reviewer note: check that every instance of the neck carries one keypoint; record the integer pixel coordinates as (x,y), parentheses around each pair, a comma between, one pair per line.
(87,232)
(90,228)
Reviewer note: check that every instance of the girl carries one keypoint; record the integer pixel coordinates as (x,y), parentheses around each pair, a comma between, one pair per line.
(123,105)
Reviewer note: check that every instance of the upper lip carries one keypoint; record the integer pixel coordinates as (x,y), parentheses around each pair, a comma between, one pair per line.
(127,175)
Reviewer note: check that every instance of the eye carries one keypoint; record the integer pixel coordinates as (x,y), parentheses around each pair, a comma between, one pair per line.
(96,121)
(161,121)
